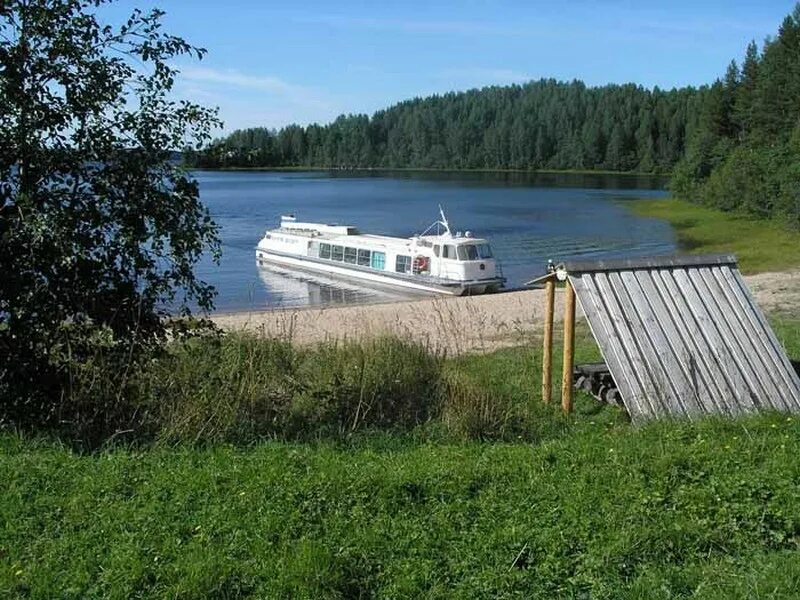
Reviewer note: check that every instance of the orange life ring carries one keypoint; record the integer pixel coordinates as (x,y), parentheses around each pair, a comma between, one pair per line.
(420,264)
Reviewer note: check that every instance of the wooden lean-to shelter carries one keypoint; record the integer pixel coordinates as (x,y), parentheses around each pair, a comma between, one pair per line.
(681,336)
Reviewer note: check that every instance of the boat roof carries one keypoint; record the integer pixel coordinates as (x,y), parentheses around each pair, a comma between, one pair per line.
(452,239)
(369,239)
(334,232)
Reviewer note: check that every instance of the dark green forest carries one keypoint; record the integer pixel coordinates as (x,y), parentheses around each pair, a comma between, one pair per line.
(540,125)
(745,154)
(733,144)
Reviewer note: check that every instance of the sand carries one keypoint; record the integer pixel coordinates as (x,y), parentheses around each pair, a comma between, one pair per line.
(777,293)
(457,325)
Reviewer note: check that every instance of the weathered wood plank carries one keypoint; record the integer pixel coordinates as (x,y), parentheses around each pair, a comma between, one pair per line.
(603,330)
(684,338)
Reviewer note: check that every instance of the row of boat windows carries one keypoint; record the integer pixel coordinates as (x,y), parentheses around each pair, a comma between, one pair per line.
(403,263)
(365,258)
(464,251)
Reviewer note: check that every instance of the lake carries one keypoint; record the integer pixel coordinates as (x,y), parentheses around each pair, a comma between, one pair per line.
(529,218)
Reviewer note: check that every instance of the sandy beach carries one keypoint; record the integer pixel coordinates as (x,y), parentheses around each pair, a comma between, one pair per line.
(467,324)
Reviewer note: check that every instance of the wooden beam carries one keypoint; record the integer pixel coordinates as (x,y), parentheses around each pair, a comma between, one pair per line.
(569,348)
(547,350)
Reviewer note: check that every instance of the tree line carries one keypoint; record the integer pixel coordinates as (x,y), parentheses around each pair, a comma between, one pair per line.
(745,154)
(543,124)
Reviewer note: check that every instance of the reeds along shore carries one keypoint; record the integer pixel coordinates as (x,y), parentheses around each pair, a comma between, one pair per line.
(447,325)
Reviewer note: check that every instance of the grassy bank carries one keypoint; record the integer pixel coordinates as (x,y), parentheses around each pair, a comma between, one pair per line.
(492,495)
(760,245)
(710,510)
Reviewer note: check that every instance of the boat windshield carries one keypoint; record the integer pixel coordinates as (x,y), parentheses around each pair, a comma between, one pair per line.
(474,252)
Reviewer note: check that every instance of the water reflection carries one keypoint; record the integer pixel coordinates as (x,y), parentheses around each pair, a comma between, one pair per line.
(290,287)
(598,181)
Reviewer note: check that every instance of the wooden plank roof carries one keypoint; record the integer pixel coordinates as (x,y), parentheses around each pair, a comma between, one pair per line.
(683,336)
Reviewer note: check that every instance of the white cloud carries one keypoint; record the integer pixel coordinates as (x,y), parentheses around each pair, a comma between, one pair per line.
(413,26)
(247,100)
(233,78)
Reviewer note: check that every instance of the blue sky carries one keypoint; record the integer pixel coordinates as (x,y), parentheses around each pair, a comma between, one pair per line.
(274,63)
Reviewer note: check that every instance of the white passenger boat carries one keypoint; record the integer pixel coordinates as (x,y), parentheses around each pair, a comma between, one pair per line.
(433,261)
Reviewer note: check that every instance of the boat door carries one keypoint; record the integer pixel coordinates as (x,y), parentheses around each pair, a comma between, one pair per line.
(436,263)
(449,267)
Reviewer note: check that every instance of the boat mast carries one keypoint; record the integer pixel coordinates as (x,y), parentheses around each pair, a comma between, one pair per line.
(444,222)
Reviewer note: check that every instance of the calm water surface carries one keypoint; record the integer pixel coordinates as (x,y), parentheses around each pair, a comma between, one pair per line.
(528,219)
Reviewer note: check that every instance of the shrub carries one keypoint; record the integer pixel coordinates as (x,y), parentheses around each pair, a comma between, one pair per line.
(100,229)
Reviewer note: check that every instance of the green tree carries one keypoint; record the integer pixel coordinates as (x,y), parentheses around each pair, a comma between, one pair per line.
(742,150)
(99,227)
(745,94)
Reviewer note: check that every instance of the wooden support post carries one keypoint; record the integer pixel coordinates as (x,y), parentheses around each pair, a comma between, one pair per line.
(569,348)
(547,350)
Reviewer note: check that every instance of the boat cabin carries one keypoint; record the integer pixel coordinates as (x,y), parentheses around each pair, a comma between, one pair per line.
(441,259)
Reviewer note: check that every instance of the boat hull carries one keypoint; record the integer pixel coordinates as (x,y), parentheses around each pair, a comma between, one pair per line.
(264,256)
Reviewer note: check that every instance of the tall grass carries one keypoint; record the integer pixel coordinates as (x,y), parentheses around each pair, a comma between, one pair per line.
(241,387)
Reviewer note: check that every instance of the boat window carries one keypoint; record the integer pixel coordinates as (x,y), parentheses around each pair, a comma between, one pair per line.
(468,252)
(436,249)
(337,253)
(402,264)
(449,251)
(350,255)
(378,260)
(324,250)
(484,250)
(363,257)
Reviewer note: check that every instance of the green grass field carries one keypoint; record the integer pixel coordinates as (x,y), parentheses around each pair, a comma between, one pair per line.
(511,500)
(710,510)
(760,245)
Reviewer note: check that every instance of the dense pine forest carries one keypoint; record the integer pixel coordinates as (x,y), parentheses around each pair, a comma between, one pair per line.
(540,125)
(733,144)
(745,154)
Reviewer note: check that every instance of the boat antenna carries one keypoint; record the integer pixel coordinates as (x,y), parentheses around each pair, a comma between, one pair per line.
(443,222)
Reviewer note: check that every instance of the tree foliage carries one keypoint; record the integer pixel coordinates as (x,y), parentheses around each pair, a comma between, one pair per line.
(540,125)
(746,153)
(99,227)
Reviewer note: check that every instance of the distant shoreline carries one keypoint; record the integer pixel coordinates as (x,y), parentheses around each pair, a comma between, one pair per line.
(433,170)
